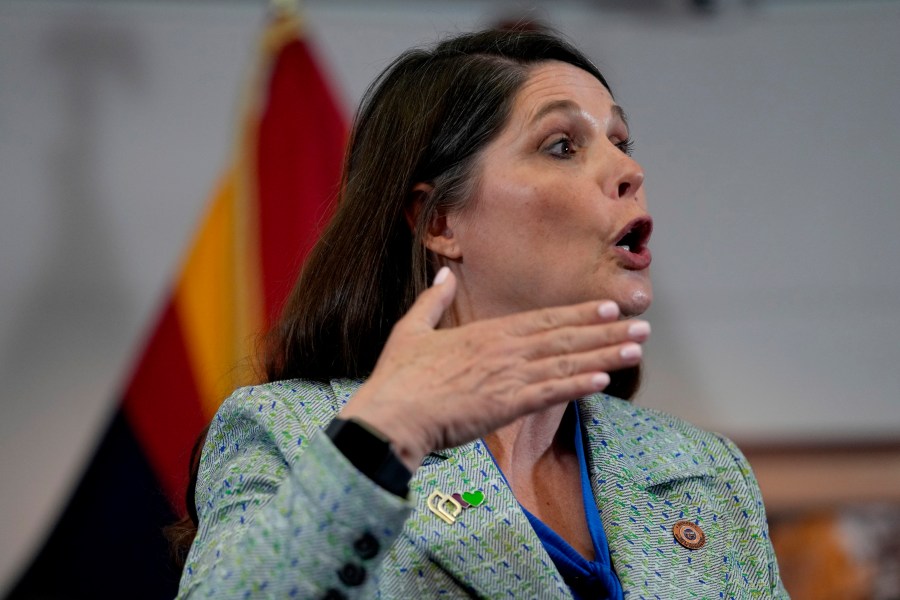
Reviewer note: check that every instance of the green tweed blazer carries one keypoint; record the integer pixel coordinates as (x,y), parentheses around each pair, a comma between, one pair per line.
(284,515)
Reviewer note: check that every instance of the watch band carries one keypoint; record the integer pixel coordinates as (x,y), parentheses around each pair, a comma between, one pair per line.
(370,452)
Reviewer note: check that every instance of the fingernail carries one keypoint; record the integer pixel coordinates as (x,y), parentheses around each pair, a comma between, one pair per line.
(608,309)
(631,351)
(639,330)
(600,380)
(441,276)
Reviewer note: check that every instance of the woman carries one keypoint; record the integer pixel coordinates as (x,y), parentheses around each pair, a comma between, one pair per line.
(419,441)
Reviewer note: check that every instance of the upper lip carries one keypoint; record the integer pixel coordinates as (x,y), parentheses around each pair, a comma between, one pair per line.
(638,233)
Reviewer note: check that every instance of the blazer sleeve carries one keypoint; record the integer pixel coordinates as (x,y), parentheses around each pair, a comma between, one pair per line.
(756,511)
(283,513)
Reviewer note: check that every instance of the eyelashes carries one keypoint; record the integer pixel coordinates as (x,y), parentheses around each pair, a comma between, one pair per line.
(564,147)
(626,146)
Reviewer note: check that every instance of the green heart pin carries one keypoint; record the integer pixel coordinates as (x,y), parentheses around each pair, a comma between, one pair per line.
(474,498)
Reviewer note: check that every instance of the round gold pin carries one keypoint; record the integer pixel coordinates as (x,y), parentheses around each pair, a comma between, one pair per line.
(689,535)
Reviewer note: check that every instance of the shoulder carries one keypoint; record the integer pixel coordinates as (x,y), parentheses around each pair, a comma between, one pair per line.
(642,431)
(291,403)
(667,448)
(265,428)
(718,448)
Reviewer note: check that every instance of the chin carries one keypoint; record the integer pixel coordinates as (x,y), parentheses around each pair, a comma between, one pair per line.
(636,301)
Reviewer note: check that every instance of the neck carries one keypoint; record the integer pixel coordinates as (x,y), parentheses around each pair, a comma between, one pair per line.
(469,306)
(530,440)
(537,439)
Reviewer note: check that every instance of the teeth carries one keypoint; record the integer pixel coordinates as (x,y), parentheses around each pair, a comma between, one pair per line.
(626,247)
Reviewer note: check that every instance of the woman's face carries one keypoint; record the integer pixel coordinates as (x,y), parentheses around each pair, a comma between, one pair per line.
(559,214)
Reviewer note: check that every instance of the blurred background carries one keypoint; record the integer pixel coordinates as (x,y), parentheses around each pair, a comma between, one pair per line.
(769,131)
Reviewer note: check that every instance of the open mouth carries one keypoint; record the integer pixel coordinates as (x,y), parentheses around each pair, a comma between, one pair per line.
(635,236)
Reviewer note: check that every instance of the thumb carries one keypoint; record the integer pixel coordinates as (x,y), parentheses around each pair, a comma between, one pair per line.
(429,307)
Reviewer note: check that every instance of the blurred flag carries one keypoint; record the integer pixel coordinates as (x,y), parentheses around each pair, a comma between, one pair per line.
(262,220)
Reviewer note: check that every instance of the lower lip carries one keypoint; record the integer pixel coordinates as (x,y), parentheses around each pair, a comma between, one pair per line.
(634,261)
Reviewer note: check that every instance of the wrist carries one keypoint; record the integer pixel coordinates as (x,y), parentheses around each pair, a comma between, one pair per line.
(371,453)
(406,447)
(409,447)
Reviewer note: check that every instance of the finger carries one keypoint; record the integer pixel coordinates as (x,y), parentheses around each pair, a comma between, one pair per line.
(429,307)
(545,319)
(567,340)
(611,358)
(546,393)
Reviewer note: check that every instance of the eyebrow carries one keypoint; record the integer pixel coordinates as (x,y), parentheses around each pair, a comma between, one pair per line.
(569,106)
(619,112)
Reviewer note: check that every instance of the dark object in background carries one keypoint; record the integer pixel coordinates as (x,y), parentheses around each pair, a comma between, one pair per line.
(99,549)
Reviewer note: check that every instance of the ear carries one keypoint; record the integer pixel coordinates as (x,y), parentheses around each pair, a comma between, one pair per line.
(439,236)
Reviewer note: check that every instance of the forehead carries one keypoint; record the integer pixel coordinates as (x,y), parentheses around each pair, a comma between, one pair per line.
(555,82)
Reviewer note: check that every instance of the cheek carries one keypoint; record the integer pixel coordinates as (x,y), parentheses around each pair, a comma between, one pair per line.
(509,207)
(552,218)
(562,210)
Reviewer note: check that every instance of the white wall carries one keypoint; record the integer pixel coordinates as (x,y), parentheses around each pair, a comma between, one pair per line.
(770,135)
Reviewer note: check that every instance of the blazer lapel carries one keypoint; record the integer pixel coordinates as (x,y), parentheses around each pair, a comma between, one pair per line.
(645,476)
(491,549)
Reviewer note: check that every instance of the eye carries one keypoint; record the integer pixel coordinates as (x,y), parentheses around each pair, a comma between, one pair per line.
(564,147)
(626,146)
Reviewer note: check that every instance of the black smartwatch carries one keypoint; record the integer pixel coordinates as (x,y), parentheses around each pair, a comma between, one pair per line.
(370,452)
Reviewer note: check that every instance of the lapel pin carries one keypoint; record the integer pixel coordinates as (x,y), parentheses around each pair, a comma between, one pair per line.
(449,506)
(444,506)
(469,499)
(689,535)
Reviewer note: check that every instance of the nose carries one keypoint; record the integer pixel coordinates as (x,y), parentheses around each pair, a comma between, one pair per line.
(626,178)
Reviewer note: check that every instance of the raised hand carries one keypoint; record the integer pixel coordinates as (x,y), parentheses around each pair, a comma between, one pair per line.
(437,388)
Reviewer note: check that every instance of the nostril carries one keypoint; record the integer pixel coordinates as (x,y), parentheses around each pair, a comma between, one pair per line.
(623,189)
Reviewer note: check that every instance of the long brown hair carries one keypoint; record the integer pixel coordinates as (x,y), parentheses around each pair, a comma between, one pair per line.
(425,119)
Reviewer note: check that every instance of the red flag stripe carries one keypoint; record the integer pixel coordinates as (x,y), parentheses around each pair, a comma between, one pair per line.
(301,145)
(162,404)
